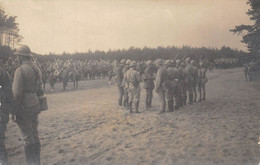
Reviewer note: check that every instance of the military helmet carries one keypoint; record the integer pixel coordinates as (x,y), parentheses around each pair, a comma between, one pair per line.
(159,62)
(23,50)
(178,61)
(122,61)
(192,62)
(133,63)
(149,62)
(188,59)
(128,62)
(168,62)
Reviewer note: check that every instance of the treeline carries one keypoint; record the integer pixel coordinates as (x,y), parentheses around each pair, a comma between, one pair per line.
(145,53)
(9,30)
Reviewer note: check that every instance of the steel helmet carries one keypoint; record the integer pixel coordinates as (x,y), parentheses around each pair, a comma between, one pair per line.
(149,62)
(122,61)
(23,50)
(159,62)
(168,62)
(128,62)
(192,62)
(188,59)
(178,61)
(133,63)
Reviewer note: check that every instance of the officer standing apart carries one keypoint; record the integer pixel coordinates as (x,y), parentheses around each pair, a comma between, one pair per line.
(161,78)
(6,97)
(27,86)
(133,78)
(149,84)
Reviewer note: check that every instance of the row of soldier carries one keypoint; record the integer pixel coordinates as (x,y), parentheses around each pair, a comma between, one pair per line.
(176,82)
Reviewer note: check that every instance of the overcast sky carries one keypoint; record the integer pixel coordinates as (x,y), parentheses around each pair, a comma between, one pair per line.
(80,25)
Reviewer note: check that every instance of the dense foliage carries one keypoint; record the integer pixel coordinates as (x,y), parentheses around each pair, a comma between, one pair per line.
(251,33)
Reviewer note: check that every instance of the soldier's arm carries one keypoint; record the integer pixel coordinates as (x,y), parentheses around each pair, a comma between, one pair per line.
(18,86)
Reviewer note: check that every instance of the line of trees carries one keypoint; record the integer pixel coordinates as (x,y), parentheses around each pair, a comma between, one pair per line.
(9,30)
(146,53)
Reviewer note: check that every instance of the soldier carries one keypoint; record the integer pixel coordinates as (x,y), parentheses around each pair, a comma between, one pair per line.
(246,72)
(149,84)
(202,80)
(27,86)
(161,77)
(5,109)
(181,82)
(185,83)
(189,69)
(125,85)
(119,81)
(195,80)
(171,86)
(133,78)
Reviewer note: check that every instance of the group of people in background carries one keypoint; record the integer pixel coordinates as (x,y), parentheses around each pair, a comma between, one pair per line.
(175,81)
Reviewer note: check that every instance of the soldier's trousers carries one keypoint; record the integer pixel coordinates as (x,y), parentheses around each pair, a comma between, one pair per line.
(194,92)
(184,94)
(169,98)
(202,91)
(149,97)
(134,97)
(190,92)
(121,94)
(27,120)
(180,95)
(126,98)
(161,94)
(4,118)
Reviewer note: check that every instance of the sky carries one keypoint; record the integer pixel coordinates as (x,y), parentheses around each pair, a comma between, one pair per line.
(59,26)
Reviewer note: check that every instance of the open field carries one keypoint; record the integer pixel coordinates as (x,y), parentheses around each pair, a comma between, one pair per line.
(86,127)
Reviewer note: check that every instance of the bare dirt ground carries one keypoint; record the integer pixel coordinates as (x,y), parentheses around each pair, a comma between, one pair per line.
(86,127)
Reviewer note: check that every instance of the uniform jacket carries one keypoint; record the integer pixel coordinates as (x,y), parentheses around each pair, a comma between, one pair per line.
(26,81)
(149,78)
(133,78)
(161,78)
(119,75)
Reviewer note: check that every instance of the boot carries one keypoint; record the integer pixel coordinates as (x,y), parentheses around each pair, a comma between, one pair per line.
(136,107)
(190,98)
(32,153)
(170,106)
(130,107)
(199,97)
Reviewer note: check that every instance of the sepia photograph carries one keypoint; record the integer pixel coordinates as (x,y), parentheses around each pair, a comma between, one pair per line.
(129,82)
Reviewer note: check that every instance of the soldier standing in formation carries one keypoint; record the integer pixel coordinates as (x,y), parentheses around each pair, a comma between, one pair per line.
(202,80)
(133,78)
(161,78)
(119,81)
(149,84)
(180,82)
(125,85)
(195,80)
(27,86)
(6,98)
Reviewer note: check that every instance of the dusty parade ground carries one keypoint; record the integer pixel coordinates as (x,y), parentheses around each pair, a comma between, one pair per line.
(86,127)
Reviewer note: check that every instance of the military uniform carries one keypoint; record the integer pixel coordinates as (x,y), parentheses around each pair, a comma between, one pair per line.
(26,86)
(149,86)
(195,82)
(119,82)
(161,78)
(171,88)
(202,80)
(125,86)
(134,79)
(180,85)
(190,82)
(5,109)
